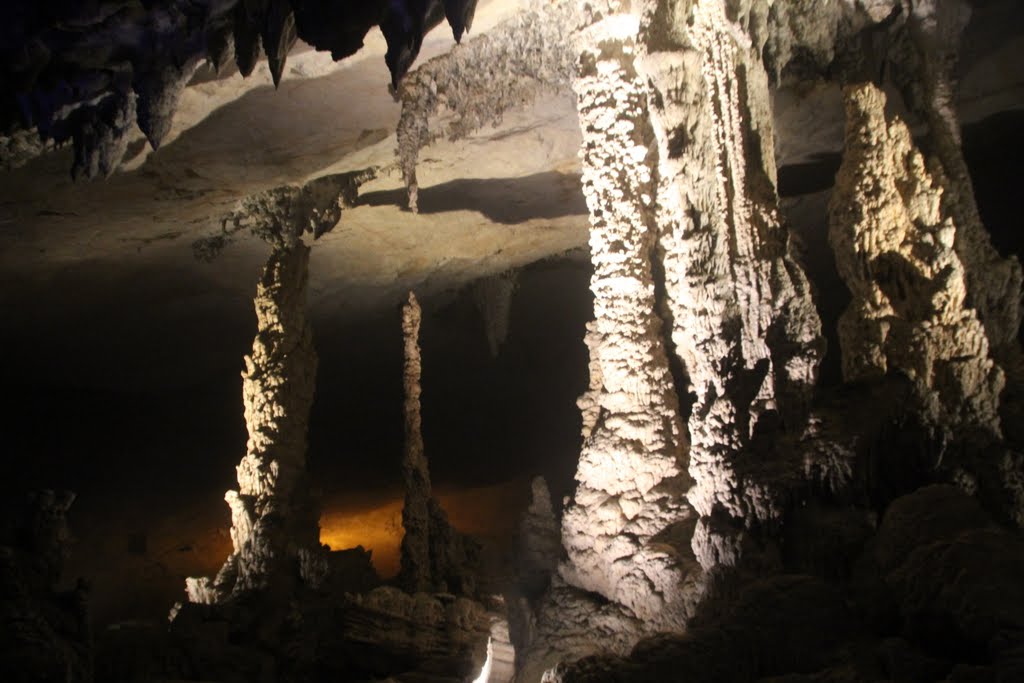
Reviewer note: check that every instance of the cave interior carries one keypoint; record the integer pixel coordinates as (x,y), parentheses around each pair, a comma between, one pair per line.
(594,341)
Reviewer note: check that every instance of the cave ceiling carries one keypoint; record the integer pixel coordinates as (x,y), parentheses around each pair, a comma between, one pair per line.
(76,254)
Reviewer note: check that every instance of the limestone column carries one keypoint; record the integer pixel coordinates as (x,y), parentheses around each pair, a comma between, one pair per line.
(743,321)
(631,479)
(414,575)
(434,556)
(273,520)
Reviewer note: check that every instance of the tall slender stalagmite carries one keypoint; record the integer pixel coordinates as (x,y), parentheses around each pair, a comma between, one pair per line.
(415,568)
(744,324)
(435,557)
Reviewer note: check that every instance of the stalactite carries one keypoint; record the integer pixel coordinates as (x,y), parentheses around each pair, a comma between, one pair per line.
(744,324)
(507,67)
(493,298)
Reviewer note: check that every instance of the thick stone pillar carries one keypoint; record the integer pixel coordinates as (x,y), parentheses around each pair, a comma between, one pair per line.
(273,520)
(631,479)
(743,321)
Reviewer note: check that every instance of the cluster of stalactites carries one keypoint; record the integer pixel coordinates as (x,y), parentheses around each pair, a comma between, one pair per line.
(895,249)
(512,64)
(148,57)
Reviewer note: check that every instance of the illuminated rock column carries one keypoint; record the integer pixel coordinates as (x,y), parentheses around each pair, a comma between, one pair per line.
(631,473)
(273,520)
(894,247)
(744,324)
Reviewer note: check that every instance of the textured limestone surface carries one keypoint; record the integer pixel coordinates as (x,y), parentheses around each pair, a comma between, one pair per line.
(894,244)
(631,473)
(274,525)
(743,322)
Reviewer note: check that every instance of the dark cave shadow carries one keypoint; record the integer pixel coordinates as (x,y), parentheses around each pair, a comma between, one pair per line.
(503,200)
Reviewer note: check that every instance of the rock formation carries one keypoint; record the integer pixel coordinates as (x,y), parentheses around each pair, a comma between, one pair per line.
(743,322)
(505,68)
(435,557)
(274,524)
(630,477)
(69,69)
(44,629)
(493,298)
(894,248)
(273,520)
(924,66)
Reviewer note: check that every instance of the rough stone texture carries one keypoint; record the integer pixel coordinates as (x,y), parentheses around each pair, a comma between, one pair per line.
(280,215)
(943,574)
(743,321)
(924,67)
(434,556)
(776,625)
(631,474)
(272,515)
(415,575)
(507,67)
(44,630)
(158,95)
(894,247)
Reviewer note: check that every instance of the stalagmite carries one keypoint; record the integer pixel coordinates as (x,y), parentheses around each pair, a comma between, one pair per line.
(415,569)
(275,529)
(435,557)
(743,322)
(631,475)
(894,244)
(272,515)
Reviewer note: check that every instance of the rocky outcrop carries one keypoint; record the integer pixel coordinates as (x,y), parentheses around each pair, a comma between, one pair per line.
(743,322)
(507,67)
(434,556)
(44,630)
(894,246)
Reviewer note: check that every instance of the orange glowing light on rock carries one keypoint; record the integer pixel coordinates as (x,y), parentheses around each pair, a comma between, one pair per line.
(490,512)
